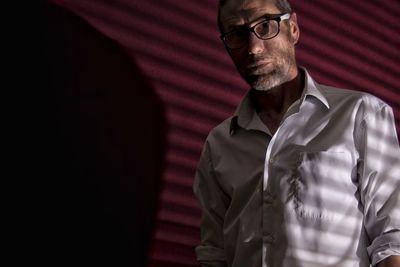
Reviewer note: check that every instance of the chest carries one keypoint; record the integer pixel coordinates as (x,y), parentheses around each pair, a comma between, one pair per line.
(301,140)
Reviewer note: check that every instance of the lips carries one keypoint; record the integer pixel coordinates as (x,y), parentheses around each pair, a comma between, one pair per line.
(256,66)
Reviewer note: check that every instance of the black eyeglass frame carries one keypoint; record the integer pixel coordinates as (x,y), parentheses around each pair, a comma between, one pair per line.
(278,19)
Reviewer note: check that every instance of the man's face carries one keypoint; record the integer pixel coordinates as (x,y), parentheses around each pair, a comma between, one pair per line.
(264,64)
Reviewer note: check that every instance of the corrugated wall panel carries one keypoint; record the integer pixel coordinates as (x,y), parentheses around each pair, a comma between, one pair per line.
(351,44)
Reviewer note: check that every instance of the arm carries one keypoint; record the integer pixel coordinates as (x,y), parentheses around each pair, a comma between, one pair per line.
(392,261)
(379,176)
(213,203)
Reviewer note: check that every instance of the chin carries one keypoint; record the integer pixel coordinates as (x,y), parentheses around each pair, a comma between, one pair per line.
(264,83)
(268,81)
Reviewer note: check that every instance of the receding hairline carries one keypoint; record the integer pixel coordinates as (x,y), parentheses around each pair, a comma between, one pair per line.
(282,5)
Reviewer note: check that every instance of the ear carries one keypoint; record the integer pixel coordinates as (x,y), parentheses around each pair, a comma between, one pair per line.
(294,28)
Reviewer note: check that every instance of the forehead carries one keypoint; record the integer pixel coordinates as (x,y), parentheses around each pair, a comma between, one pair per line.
(244,11)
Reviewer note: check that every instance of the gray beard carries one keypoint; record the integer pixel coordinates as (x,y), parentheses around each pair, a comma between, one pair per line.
(265,82)
(277,76)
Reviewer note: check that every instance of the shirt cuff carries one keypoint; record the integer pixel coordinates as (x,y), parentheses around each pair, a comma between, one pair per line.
(384,246)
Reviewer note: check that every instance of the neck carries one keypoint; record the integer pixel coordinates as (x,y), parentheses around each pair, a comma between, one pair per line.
(277,100)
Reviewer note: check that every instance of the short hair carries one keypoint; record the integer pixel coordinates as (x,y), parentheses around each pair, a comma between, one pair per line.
(282,5)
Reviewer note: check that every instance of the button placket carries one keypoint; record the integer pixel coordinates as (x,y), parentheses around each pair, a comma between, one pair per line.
(268,198)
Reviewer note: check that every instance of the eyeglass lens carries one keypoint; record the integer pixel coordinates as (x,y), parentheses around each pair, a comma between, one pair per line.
(263,30)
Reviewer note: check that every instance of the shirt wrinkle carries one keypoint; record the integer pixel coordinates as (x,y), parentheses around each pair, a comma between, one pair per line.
(303,197)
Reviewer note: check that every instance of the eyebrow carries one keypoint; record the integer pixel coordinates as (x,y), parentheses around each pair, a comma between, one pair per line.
(259,19)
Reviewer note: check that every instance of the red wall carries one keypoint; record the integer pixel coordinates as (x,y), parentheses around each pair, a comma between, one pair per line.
(352,44)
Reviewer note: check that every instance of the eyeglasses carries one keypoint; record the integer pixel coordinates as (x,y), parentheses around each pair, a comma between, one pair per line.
(266,29)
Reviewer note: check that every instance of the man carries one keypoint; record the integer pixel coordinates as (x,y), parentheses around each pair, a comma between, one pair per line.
(302,174)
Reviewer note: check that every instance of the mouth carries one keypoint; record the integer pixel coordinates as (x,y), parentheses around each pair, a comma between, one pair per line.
(257,66)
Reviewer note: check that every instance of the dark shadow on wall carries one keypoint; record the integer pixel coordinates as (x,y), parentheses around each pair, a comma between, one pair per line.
(103,145)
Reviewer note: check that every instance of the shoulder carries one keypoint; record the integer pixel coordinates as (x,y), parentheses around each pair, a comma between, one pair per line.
(222,130)
(340,96)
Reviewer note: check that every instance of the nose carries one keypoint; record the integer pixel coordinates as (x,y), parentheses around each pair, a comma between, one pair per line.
(256,45)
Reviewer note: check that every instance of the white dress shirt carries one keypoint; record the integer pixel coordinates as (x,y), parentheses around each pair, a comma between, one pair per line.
(322,191)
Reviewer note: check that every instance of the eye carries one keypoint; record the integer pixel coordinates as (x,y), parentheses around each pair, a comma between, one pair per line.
(262,28)
(237,35)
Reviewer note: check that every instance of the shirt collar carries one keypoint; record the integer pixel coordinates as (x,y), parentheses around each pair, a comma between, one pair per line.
(247,118)
(312,88)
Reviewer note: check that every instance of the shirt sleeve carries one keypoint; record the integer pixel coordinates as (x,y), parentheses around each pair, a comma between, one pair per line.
(213,203)
(379,174)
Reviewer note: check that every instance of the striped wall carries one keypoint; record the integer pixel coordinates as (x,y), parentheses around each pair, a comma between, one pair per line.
(352,44)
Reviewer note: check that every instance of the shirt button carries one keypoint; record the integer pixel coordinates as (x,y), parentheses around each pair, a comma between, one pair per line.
(271,160)
(268,199)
